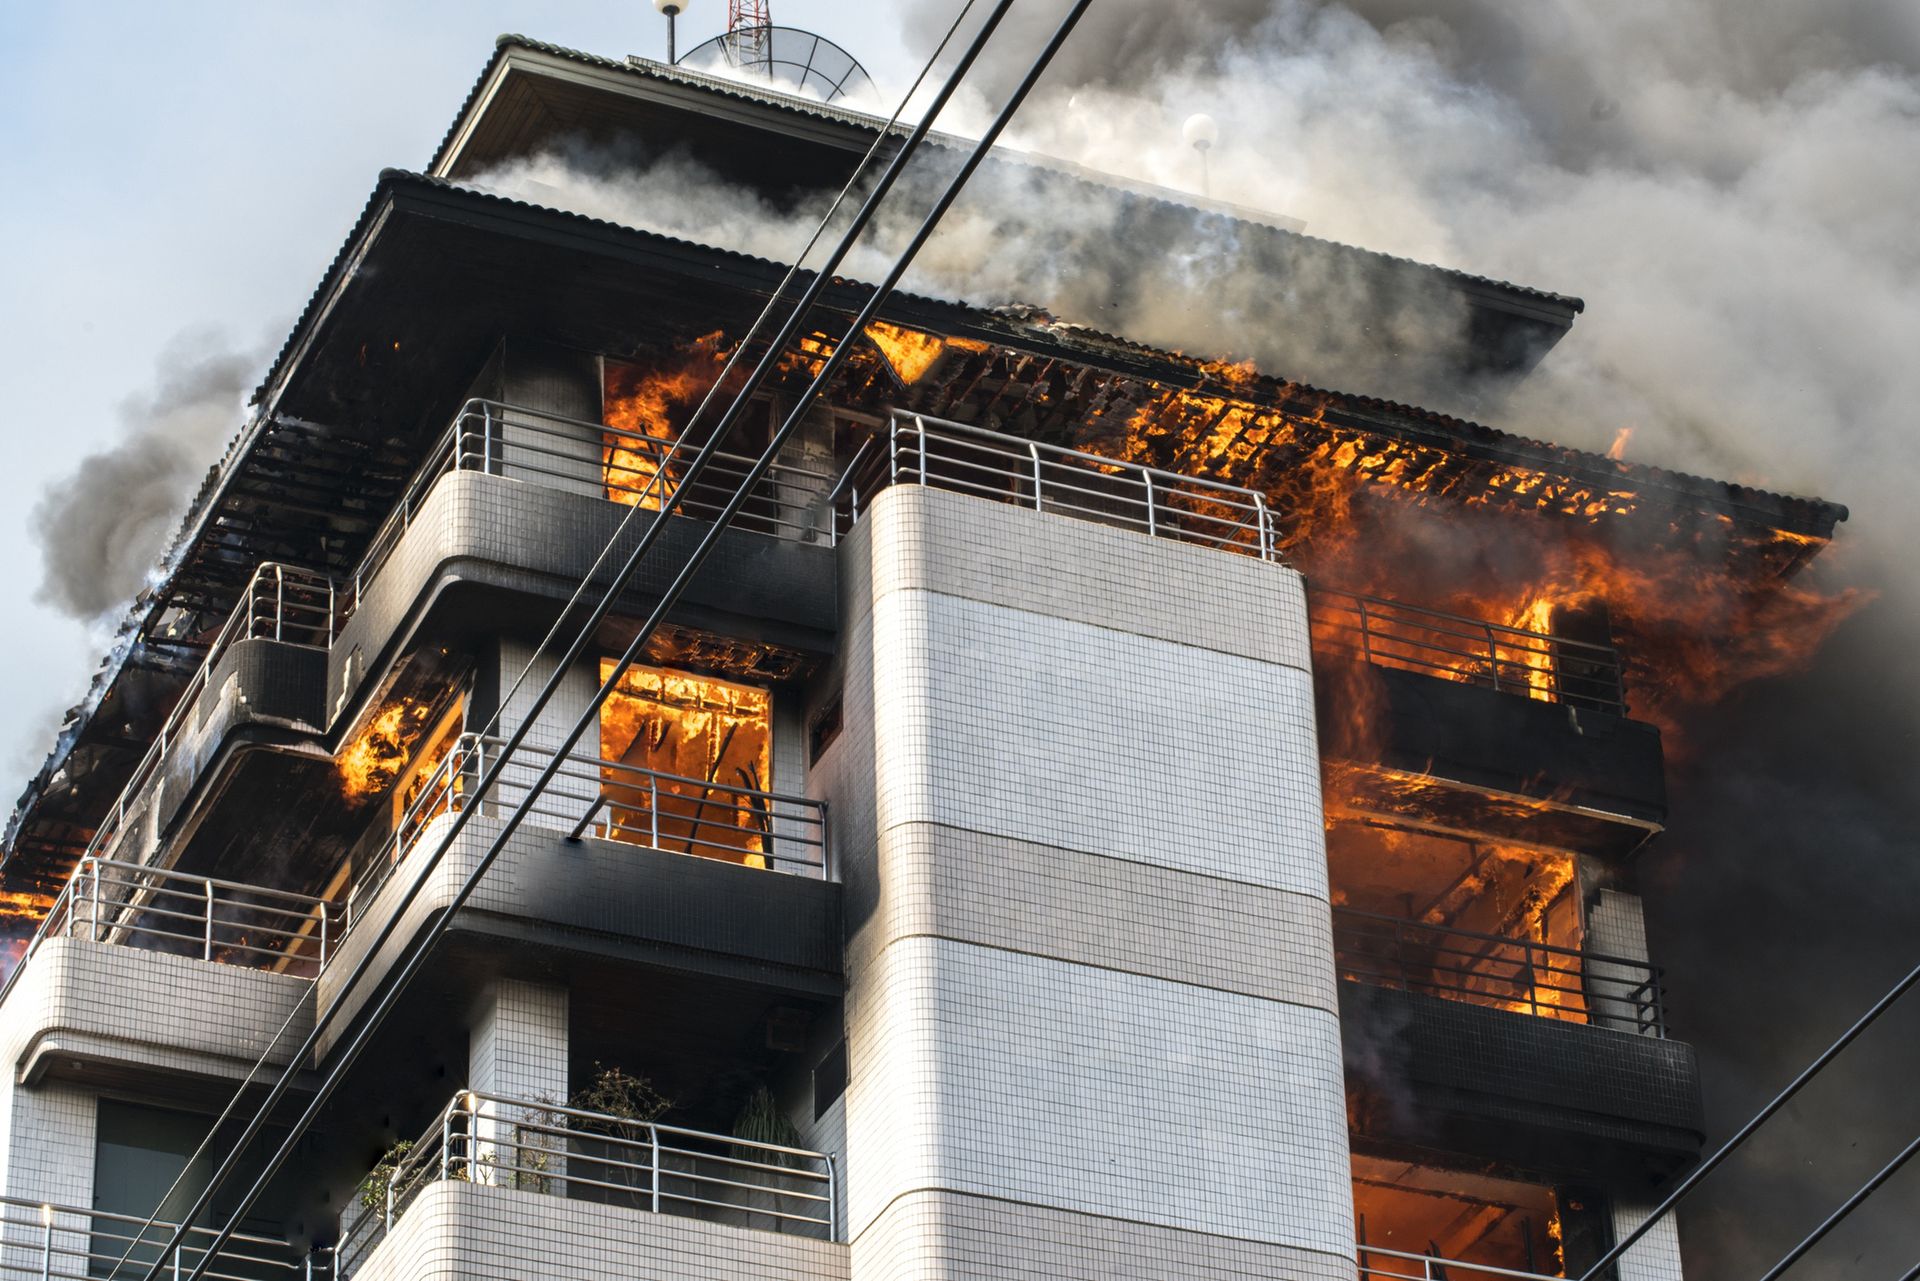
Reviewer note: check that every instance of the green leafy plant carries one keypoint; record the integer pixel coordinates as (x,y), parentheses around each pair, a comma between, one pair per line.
(373,1188)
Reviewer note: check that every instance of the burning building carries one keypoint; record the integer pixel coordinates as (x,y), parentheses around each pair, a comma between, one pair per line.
(1101,811)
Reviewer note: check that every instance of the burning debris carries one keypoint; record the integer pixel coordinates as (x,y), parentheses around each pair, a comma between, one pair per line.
(373,759)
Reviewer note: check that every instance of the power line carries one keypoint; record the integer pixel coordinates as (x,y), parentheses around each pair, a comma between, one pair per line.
(604,606)
(668,600)
(1845,1208)
(1727,1149)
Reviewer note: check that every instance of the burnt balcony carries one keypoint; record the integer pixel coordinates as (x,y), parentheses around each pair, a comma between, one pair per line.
(914,449)
(1502,973)
(1460,726)
(137,972)
(481,1141)
(623,865)
(263,675)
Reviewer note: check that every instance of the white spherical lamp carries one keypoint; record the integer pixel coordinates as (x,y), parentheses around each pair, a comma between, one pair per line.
(1201,131)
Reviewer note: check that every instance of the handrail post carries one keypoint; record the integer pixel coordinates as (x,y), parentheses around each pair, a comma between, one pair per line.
(486,438)
(1146,478)
(893,454)
(94,881)
(326,910)
(653,809)
(1493,656)
(1034,450)
(279,600)
(833,1199)
(653,1132)
(920,426)
(46,1245)
(209,947)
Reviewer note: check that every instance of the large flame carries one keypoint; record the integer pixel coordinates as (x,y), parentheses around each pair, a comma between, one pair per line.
(646,408)
(1699,607)
(373,759)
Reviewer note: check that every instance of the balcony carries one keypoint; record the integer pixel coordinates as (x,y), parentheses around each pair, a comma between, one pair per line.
(61,1243)
(917,450)
(597,1159)
(610,801)
(615,866)
(1508,660)
(290,607)
(1501,973)
(221,922)
(1463,727)
(576,456)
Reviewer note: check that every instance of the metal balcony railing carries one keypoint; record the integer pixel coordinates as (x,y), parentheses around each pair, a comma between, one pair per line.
(213,920)
(918,450)
(616,802)
(62,1243)
(607,1160)
(571,453)
(1397,1265)
(280,602)
(1512,660)
(1505,973)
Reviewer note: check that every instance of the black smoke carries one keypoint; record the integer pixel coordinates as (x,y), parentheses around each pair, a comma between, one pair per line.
(104,526)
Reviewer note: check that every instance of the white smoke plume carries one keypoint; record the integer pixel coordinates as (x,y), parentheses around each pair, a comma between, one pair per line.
(103,527)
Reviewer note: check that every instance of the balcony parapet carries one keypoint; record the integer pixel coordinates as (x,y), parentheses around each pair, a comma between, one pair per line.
(594,1157)
(914,449)
(154,910)
(1520,975)
(577,456)
(64,1243)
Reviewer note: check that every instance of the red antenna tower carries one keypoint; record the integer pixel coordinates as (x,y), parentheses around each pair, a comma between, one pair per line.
(750,28)
(744,14)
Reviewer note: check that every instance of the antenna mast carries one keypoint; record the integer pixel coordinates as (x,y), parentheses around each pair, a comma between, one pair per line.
(750,27)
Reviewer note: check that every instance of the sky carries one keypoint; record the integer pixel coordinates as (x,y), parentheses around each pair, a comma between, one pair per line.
(1729,183)
(179,176)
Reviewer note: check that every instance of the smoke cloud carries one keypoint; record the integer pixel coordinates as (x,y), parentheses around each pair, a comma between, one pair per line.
(104,527)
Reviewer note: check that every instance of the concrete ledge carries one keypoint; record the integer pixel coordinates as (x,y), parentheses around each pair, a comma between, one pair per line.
(113,1008)
(995,891)
(1003,554)
(950,1236)
(463,1230)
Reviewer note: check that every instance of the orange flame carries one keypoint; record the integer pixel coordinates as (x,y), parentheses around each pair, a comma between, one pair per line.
(369,764)
(910,352)
(645,408)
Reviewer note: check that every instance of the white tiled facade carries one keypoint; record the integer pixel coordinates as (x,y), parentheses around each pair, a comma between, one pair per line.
(1053,693)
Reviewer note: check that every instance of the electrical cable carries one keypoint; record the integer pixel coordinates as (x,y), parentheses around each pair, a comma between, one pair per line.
(869,205)
(424,946)
(1759,1118)
(1845,1208)
(605,606)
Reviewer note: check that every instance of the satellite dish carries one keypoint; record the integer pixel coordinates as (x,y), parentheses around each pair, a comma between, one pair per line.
(786,58)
